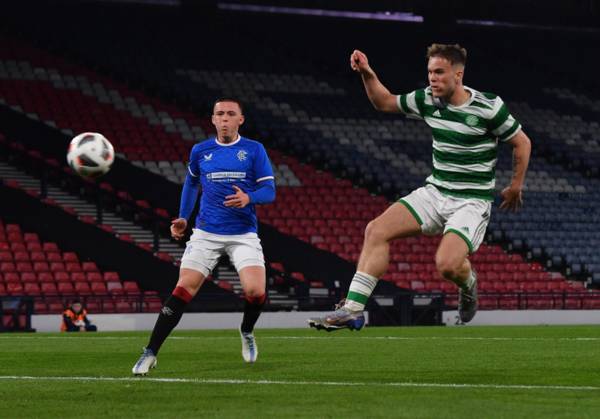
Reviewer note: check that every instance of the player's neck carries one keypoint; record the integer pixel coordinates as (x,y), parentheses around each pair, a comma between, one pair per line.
(228,139)
(460,96)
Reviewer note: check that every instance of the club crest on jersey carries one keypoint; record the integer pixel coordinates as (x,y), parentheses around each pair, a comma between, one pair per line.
(208,157)
(242,155)
(472,120)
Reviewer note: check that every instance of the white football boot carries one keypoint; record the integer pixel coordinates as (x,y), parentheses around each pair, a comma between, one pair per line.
(249,348)
(145,363)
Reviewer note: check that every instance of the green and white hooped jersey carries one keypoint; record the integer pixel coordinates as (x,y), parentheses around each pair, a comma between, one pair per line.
(465,140)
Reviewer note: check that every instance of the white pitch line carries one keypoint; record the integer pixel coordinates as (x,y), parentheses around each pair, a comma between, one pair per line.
(303,383)
(323,338)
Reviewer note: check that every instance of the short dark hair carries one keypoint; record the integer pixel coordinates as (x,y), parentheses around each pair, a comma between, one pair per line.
(452,52)
(229,99)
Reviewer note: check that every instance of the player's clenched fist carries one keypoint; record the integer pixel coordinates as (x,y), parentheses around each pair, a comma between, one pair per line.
(358,61)
(178,228)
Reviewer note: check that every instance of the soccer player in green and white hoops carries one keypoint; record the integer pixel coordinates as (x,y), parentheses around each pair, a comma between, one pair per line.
(467,126)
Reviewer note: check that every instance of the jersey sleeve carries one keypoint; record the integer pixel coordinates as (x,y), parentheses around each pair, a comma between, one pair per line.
(502,124)
(194,162)
(411,104)
(262,166)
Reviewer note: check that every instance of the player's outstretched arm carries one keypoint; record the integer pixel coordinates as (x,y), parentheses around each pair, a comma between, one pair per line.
(512,195)
(378,94)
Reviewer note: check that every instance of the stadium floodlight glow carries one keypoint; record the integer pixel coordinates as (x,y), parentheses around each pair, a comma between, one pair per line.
(501,24)
(387,15)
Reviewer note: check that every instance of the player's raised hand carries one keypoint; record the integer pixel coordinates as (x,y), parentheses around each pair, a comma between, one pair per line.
(359,61)
(512,198)
(238,200)
(178,228)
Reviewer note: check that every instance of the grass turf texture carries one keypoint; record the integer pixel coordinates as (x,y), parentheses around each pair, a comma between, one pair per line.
(303,373)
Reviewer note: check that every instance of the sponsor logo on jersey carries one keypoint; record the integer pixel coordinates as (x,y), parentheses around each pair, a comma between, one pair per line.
(437,114)
(465,229)
(208,157)
(225,176)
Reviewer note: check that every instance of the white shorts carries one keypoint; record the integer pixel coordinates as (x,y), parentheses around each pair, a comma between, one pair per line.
(203,250)
(438,213)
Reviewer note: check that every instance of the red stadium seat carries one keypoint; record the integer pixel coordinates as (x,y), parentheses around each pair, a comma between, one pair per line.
(21,256)
(131,288)
(31,289)
(89,267)
(73,267)
(41,267)
(14,288)
(70,257)
(111,277)
(7,267)
(53,257)
(57,267)
(37,256)
(55,307)
(62,276)
(115,288)
(50,247)
(40,307)
(83,288)
(49,289)
(152,306)
(99,288)
(12,277)
(226,285)
(78,277)
(94,277)
(66,288)
(24,267)
(124,307)
(29,277)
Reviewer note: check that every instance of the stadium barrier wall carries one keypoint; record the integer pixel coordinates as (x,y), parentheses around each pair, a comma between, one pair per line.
(190,321)
(526,317)
(297,319)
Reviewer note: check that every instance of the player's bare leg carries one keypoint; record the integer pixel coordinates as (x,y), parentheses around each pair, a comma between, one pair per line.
(452,263)
(395,222)
(188,285)
(253,279)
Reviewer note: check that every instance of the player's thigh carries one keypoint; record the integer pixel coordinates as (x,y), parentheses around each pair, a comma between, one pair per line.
(246,254)
(202,254)
(451,253)
(395,222)
(253,280)
(191,280)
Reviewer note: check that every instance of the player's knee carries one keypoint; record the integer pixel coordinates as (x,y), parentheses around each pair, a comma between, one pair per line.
(446,267)
(254,292)
(190,280)
(375,232)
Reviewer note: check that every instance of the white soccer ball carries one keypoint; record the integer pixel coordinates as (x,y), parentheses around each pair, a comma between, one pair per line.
(90,154)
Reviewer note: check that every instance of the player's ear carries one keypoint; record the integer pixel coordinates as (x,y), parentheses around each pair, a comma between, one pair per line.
(212,118)
(242,119)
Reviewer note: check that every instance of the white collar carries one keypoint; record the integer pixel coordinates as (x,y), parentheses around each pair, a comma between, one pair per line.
(468,102)
(239,137)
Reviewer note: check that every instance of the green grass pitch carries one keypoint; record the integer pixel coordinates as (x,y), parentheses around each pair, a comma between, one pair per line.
(434,372)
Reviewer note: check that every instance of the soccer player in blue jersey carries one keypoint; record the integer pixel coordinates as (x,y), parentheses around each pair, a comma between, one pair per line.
(235,174)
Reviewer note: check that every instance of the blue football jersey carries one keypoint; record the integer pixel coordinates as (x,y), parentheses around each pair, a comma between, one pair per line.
(243,163)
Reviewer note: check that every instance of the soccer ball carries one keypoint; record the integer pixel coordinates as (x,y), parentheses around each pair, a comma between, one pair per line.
(90,155)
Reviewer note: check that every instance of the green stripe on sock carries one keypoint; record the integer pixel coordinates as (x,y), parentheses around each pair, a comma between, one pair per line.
(356,297)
